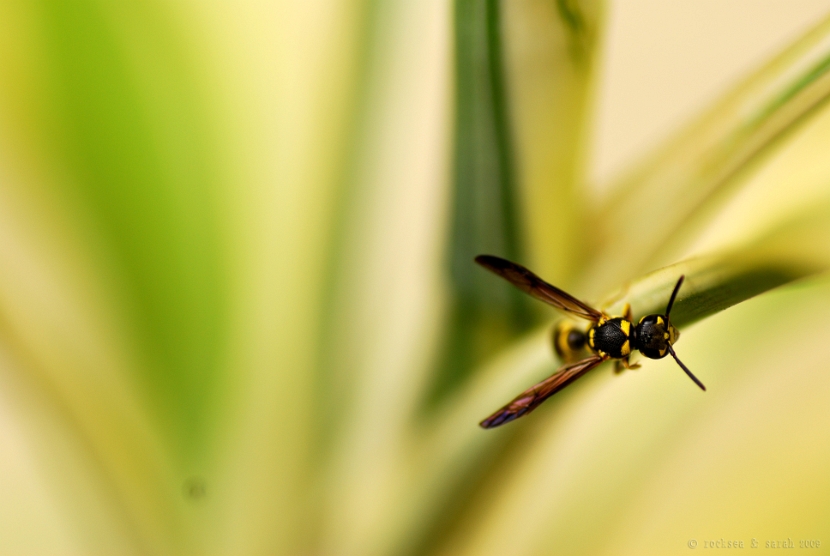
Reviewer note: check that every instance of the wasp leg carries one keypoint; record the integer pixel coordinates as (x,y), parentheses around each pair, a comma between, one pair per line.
(628,365)
(619,364)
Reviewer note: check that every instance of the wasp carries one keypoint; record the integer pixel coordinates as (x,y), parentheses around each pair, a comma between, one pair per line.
(607,338)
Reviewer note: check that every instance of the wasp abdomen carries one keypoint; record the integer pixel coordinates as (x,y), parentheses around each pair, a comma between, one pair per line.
(611,338)
(569,341)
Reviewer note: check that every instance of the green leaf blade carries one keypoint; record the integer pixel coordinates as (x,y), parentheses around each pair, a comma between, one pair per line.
(708,163)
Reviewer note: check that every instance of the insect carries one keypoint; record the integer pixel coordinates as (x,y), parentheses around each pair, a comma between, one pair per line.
(607,338)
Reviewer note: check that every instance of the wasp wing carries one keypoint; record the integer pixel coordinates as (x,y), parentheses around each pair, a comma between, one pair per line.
(531,398)
(531,284)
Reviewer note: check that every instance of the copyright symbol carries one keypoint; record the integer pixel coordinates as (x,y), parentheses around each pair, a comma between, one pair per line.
(692,543)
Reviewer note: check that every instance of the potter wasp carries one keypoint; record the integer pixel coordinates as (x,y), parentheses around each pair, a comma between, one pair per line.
(606,338)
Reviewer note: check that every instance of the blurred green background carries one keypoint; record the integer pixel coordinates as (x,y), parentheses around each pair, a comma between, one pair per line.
(239,313)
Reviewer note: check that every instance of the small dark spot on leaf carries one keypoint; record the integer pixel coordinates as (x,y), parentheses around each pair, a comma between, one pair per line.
(195,488)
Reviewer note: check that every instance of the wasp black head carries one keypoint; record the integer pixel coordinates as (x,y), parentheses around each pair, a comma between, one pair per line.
(654,336)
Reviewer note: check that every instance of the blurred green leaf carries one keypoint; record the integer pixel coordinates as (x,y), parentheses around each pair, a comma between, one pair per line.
(781,254)
(713,283)
(133,134)
(491,188)
(684,182)
(238,257)
(485,215)
(551,52)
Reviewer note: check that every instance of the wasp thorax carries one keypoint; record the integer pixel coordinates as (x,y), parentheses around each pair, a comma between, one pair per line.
(653,336)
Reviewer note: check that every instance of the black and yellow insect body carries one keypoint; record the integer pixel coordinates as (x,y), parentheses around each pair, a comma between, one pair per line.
(606,338)
(611,337)
(655,336)
(569,342)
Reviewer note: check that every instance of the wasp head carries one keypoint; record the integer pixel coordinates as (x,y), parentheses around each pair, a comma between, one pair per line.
(654,334)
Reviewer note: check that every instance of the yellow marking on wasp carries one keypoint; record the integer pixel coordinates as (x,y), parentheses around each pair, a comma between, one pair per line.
(662,352)
(562,338)
(675,334)
(625,326)
(602,321)
(626,348)
(665,335)
(659,321)
(642,318)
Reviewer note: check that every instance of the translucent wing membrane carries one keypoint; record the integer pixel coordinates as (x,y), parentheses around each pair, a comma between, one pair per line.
(529,283)
(531,398)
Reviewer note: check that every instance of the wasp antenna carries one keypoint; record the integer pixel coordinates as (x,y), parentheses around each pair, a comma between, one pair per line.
(682,366)
(671,299)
